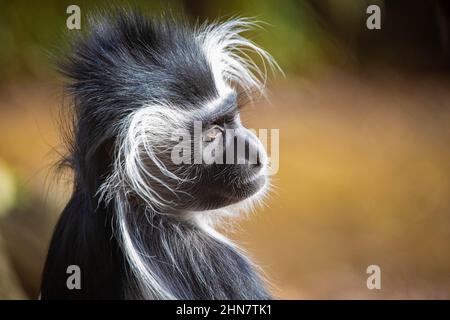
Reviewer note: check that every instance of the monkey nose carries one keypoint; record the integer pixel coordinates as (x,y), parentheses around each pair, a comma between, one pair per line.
(250,153)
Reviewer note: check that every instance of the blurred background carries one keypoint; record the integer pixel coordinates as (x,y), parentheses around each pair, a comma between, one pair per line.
(364,119)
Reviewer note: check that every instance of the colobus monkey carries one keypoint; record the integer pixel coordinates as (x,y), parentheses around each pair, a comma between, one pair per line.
(139,225)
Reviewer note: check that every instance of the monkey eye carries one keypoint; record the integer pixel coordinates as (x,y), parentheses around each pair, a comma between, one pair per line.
(212,133)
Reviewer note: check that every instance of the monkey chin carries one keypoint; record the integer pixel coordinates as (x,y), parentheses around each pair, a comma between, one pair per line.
(250,187)
(261,185)
(241,196)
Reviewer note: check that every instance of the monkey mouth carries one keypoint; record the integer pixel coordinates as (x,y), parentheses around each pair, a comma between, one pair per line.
(249,186)
(237,192)
(258,180)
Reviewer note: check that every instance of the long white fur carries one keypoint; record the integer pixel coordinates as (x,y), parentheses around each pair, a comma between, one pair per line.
(226,50)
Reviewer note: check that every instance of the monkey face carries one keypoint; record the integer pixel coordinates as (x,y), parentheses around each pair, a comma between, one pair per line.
(233,167)
(210,160)
(240,175)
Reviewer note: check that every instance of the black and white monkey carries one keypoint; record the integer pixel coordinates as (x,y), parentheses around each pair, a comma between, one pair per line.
(138,225)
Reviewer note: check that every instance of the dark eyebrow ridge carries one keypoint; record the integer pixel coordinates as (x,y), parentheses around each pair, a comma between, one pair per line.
(228,108)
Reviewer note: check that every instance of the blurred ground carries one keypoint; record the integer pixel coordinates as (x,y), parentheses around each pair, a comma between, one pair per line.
(364,179)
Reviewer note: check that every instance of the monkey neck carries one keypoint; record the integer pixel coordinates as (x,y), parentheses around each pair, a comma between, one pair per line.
(191,261)
(183,259)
